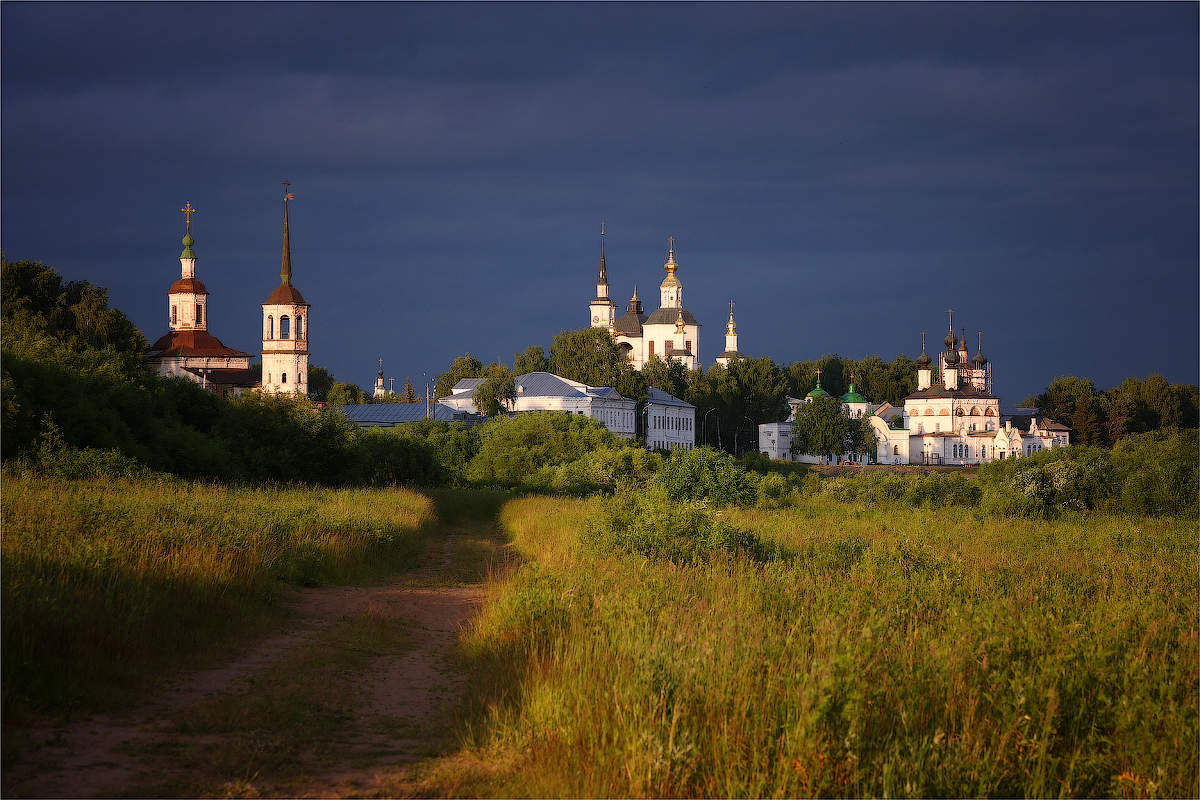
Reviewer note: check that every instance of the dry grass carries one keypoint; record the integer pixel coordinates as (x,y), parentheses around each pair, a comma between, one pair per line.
(913,653)
(108,583)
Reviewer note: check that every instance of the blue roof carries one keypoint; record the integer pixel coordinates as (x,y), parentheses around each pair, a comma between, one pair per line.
(384,414)
(466,385)
(544,384)
(663,399)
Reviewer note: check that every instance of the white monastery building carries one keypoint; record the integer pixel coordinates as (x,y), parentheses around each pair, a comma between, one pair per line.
(670,422)
(543,391)
(956,421)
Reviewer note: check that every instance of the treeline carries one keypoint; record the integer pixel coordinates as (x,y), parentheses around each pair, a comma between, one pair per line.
(79,397)
(1106,417)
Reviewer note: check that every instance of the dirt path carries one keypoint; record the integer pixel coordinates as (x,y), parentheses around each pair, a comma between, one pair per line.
(390,705)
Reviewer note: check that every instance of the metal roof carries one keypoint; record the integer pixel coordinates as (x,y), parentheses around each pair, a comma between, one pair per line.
(667,316)
(386,414)
(659,397)
(545,384)
(467,385)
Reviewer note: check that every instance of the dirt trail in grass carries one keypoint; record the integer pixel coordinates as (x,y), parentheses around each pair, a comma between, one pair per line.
(309,711)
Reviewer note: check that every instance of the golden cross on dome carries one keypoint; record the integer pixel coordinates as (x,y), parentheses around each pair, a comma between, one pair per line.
(731,306)
(601,227)
(187,215)
(671,239)
(818,374)
(286,194)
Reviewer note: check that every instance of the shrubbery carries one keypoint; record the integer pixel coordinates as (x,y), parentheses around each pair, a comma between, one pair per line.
(654,524)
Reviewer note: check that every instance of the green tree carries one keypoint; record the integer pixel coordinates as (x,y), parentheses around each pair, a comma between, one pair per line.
(497,392)
(531,359)
(589,356)
(669,377)
(465,366)
(862,438)
(344,394)
(410,394)
(320,381)
(821,429)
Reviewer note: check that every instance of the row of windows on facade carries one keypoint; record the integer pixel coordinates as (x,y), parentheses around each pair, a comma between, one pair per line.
(671,423)
(283,377)
(970,428)
(285,324)
(668,346)
(199,314)
(665,445)
(974,412)
(615,417)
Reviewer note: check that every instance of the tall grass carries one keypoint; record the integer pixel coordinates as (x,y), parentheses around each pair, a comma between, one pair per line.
(910,653)
(108,582)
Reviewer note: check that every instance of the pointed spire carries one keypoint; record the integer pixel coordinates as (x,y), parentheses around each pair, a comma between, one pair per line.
(603,263)
(979,359)
(679,322)
(285,267)
(671,266)
(381,367)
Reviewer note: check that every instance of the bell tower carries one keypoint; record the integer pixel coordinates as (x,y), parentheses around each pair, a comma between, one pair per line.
(285,327)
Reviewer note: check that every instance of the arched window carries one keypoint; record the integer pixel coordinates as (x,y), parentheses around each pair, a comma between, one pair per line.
(299,326)
(299,377)
(285,327)
(974,411)
(989,412)
(199,314)
(929,412)
(270,328)
(958,412)
(283,378)
(895,449)
(174,315)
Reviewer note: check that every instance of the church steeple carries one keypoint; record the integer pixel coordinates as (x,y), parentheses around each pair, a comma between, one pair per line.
(285,267)
(187,299)
(671,290)
(602,309)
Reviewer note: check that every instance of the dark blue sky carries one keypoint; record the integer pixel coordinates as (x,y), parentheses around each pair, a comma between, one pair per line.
(846,172)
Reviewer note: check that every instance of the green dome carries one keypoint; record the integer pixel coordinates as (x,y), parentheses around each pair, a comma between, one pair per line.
(188,241)
(818,391)
(853,396)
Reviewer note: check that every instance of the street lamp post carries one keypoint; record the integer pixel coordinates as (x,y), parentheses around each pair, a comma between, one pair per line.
(706,413)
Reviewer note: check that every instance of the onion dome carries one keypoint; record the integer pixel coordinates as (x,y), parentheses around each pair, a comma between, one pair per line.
(950,340)
(852,396)
(817,390)
(951,358)
(188,241)
(671,266)
(679,322)
(923,360)
(979,360)
(635,303)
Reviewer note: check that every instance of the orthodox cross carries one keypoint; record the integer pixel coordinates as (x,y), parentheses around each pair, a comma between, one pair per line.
(731,306)
(671,239)
(818,375)
(381,363)
(601,227)
(950,311)
(187,215)
(286,194)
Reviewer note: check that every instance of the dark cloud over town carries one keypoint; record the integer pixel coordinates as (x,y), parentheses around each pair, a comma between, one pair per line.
(845,172)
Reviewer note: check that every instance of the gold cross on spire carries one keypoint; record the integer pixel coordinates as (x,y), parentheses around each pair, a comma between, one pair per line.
(601,227)
(950,311)
(731,307)
(286,194)
(187,215)
(671,239)
(818,374)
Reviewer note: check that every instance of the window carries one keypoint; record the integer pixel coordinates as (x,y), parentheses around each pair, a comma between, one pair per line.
(299,327)
(299,377)
(689,345)
(270,328)
(283,378)
(199,314)
(652,348)
(285,327)
(895,449)
(174,315)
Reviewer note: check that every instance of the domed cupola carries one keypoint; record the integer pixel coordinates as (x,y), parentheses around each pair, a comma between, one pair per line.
(817,391)
(979,360)
(923,360)
(853,396)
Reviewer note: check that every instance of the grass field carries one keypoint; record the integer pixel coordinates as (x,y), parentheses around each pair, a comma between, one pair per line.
(109,583)
(904,653)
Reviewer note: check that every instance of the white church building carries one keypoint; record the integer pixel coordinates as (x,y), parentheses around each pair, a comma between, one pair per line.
(670,332)
(544,391)
(189,351)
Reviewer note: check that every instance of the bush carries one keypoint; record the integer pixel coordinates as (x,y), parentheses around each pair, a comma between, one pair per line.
(511,449)
(653,524)
(707,474)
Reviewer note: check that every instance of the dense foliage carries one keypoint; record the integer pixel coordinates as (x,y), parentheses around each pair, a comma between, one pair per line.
(1105,417)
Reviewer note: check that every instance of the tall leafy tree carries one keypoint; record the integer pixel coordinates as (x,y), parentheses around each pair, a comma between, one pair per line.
(344,394)
(499,388)
(589,356)
(821,429)
(465,366)
(410,394)
(320,381)
(531,359)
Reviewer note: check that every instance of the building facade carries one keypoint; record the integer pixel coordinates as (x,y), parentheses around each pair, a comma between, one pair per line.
(188,350)
(670,422)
